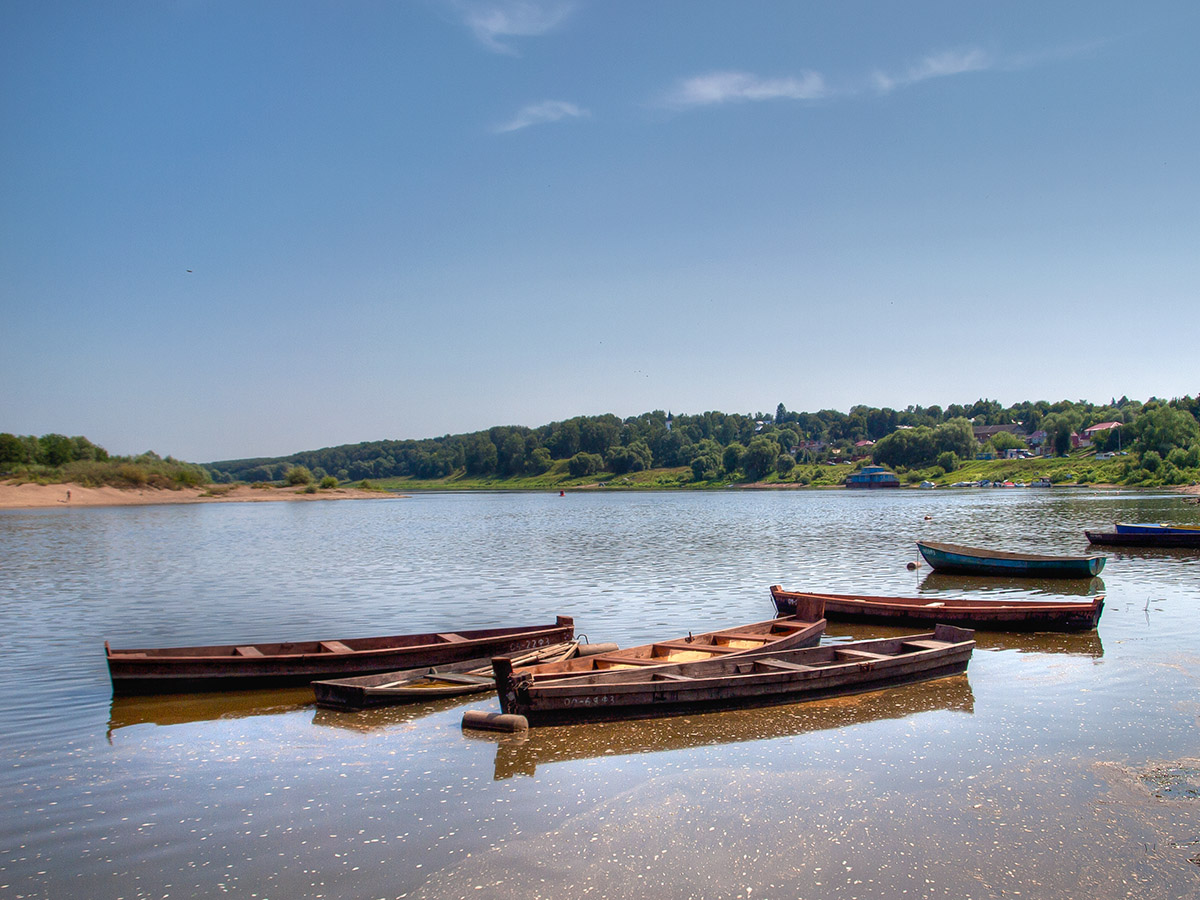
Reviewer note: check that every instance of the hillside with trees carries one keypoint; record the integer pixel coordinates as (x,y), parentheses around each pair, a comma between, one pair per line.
(1159,443)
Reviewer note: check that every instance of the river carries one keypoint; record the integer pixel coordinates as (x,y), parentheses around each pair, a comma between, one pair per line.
(1057,767)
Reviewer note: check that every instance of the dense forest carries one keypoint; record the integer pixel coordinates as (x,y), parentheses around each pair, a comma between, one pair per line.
(718,445)
(1158,443)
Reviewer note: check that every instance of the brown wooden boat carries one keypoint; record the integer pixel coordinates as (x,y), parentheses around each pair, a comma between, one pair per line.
(730,681)
(986,615)
(253,665)
(474,676)
(801,629)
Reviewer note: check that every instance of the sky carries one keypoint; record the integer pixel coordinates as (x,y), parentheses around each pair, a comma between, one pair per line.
(242,228)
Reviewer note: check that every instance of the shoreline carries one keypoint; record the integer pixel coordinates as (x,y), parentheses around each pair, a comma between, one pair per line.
(67,494)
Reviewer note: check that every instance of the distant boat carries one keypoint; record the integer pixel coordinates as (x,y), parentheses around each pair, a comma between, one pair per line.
(1156,528)
(1166,539)
(928,485)
(981,561)
(251,665)
(1040,482)
(787,676)
(873,477)
(990,615)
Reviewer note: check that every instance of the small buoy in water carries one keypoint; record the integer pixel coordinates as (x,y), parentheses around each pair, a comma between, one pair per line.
(911,566)
(485,721)
(562,493)
(927,518)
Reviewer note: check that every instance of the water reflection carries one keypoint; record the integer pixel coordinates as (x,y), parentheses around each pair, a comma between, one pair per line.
(182,709)
(521,754)
(366,720)
(943,583)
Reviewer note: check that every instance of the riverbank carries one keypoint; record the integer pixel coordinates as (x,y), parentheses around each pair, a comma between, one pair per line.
(39,496)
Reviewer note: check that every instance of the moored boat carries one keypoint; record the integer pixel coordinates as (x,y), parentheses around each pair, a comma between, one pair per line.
(981,561)
(1165,539)
(803,628)
(253,665)
(990,615)
(724,682)
(1155,528)
(474,676)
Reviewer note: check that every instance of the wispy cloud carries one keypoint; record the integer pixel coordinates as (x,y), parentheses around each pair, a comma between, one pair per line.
(541,114)
(734,87)
(940,65)
(494,22)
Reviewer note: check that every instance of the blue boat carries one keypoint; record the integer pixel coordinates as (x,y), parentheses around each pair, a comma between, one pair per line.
(1156,528)
(1160,539)
(980,561)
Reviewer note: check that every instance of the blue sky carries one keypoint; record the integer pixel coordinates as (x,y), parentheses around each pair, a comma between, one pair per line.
(234,229)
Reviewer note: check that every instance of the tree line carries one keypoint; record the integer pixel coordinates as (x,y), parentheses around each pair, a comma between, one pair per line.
(723,445)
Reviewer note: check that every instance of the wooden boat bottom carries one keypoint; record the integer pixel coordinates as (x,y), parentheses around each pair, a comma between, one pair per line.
(575,715)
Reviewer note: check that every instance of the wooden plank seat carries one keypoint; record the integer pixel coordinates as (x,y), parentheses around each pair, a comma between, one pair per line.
(924,645)
(451,637)
(783,666)
(242,651)
(335,647)
(702,648)
(859,654)
(743,636)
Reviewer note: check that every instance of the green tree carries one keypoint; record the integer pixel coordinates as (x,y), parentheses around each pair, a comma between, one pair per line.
(1163,429)
(583,464)
(329,482)
(947,460)
(731,458)
(1003,440)
(538,461)
(298,475)
(760,457)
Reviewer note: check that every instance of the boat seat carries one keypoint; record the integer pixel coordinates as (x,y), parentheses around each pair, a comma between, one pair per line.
(452,637)
(335,647)
(695,645)
(792,626)
(924,645)
(626,661)
(743,636)
(783,666)
(859,654)
(247,651)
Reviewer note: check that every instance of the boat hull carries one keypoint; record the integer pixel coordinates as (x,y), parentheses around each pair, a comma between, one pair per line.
(1126,528)
(979,561)
(787,677)
(238,667)
(984,615)
(1145,539)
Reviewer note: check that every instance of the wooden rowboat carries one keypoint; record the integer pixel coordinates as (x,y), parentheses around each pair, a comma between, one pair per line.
(722,682)
(981,561)
(1145,539)
(801,629)
(236,666)
(1156,528)
(474,676)
(990,615)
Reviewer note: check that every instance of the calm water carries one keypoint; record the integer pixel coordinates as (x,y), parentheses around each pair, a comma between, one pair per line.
(1057,767)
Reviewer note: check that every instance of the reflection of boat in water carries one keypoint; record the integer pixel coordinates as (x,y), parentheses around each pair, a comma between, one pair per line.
(375,718)
(522,754)
(943,582)
(183,709)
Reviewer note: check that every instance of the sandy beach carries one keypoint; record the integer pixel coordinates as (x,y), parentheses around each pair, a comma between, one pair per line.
(37,496)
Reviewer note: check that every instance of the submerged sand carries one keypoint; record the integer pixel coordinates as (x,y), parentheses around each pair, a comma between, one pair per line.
(36,496)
